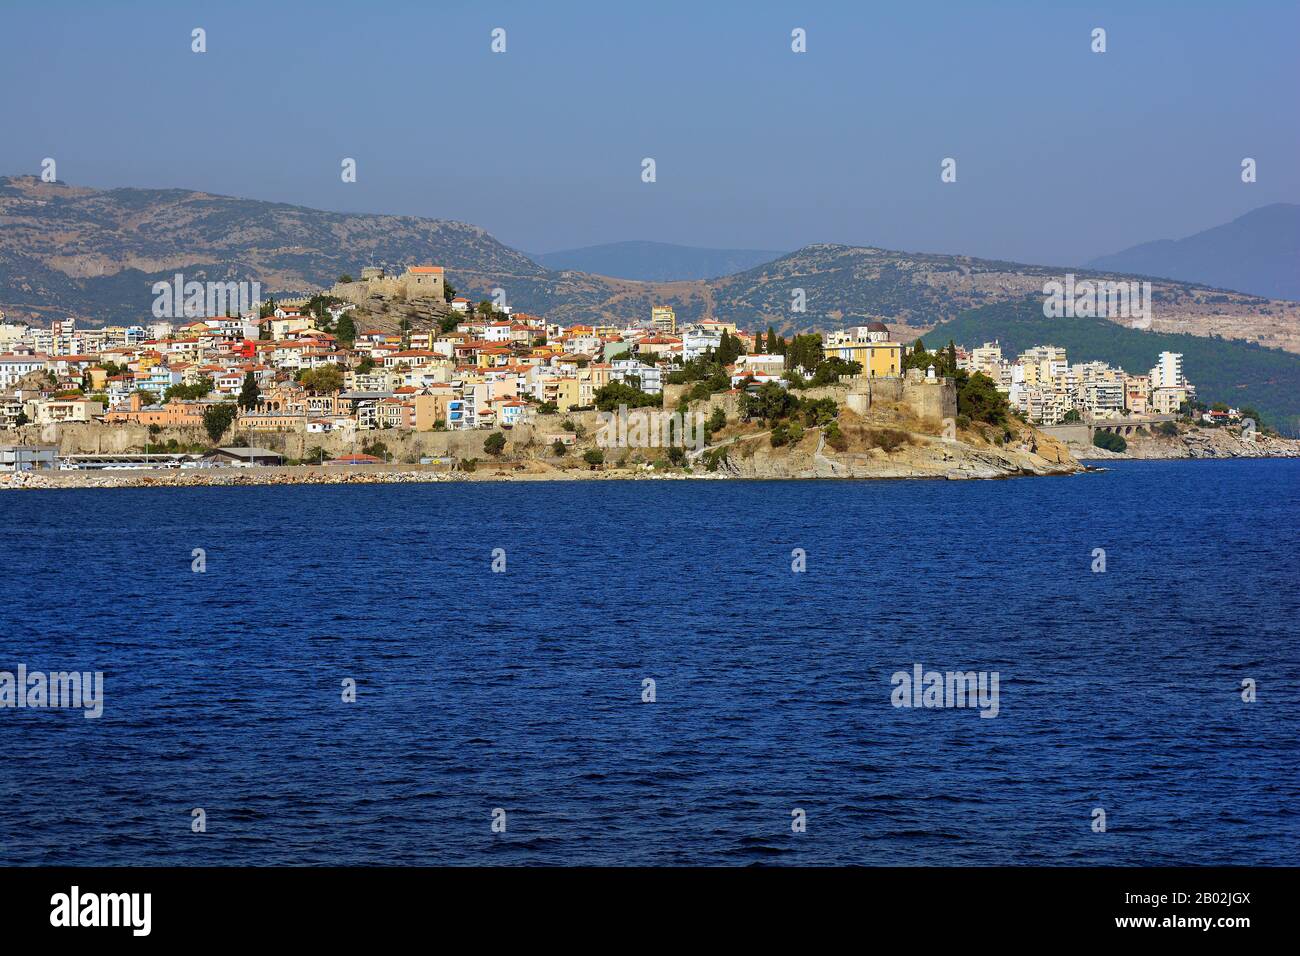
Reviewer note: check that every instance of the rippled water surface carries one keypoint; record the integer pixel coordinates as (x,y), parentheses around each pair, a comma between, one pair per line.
(522,690)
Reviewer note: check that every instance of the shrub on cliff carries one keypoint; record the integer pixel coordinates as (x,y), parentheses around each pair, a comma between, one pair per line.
(1110,441)
(888,440)
(835,437)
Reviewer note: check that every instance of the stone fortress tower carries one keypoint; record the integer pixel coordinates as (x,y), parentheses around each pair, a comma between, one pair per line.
(417,282)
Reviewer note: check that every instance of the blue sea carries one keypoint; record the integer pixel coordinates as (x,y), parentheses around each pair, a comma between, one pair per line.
(521,690)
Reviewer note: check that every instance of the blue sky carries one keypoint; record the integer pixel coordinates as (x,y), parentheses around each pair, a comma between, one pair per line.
(1062,154)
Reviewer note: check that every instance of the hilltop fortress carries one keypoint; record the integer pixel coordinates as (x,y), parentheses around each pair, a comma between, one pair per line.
(417,282)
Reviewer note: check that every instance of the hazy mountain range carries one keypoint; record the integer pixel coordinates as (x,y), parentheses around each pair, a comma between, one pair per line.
(66,250)
(655,261)
(1257,253)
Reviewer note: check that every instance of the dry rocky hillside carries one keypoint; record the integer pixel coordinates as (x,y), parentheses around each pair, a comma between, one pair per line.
(875,448)
(66,250)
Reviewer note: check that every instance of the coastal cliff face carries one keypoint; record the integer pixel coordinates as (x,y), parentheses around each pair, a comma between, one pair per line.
(1195,443)
(917,456)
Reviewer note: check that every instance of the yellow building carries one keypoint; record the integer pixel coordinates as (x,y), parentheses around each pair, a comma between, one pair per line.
(566,393)
(664,320)
(876,358)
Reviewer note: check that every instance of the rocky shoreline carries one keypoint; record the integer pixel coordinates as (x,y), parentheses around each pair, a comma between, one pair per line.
(750,457)
(1196,443)
(249,477)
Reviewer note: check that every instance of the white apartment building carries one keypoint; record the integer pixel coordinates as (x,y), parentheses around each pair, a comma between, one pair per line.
(986,358)
(698,339)
(1104,398)
(767,364)
(14,367)
(648,378)
(1168,371)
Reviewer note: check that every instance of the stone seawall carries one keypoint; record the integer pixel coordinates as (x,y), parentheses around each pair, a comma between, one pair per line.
(403,445)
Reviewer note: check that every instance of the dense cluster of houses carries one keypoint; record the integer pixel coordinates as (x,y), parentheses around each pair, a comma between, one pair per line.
(495,369)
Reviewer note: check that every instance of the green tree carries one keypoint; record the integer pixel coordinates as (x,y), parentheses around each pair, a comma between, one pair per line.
(249,392)
(495,444)
(729,349)
(830,370)
(771,403)
(326,378)
(559,449)
(819,411)
(593,456)
(218,418)
(346,331)
(979,398)
(917,358)
(804,352)
(609,397)
(717,421)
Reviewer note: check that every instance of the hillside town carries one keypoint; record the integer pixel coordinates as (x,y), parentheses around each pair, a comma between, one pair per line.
(315,366)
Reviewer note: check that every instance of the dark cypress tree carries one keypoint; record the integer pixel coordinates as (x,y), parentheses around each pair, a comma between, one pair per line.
(346,331)
(249,393)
